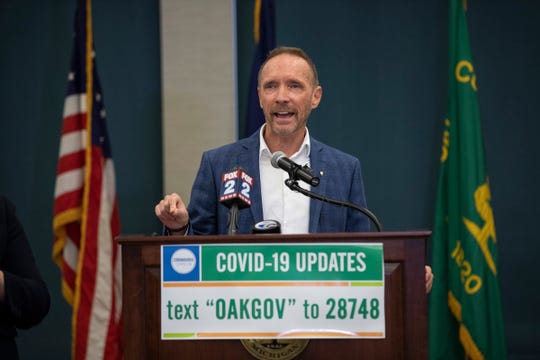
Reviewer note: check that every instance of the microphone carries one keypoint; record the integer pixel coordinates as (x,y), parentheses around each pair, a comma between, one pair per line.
(304,173)
(235,191)
(296,172)
(267,227)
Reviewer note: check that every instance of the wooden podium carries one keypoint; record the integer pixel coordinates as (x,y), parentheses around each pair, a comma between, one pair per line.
(405,300)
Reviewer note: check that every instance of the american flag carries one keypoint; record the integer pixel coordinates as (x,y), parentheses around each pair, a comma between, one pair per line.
(86,219)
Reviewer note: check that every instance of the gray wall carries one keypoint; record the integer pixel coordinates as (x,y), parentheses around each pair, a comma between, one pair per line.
(383,67)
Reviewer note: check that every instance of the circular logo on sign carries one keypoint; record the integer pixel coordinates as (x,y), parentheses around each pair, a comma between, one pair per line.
(183,261)
(281,349)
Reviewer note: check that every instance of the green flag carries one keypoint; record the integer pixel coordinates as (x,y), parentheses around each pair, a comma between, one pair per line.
(465,309)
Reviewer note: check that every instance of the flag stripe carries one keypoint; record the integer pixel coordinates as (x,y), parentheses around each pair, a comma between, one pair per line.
(99,320)
(71,161)
(69,182)
(66,208)
(73,142)
(74,104)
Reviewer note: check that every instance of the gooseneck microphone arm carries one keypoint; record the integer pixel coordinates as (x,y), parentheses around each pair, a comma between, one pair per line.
(293,185)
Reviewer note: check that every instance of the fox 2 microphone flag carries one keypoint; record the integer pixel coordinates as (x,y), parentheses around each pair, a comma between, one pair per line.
(86,218)
(465,309)
(265,40)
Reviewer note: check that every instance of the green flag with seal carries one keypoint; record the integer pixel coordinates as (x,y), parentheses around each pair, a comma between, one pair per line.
(465,319)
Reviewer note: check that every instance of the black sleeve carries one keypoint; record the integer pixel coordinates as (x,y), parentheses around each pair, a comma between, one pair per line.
(27,298)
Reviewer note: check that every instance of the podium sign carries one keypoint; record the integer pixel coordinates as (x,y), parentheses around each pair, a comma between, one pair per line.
(405,301)
(272,290)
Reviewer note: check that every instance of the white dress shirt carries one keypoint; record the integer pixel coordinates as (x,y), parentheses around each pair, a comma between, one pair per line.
(279,202)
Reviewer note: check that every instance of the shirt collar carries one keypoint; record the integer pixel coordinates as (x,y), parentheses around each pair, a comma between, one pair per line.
(264,151)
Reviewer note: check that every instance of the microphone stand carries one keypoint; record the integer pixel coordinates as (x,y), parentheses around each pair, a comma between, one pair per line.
(233,219)
(293,185)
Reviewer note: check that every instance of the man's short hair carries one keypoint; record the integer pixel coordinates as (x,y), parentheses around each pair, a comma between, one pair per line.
(291,51)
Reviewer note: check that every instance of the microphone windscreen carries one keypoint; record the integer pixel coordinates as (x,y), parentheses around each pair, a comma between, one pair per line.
(275,158)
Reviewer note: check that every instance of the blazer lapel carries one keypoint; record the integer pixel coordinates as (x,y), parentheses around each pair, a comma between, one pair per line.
(319,166)
(249,159)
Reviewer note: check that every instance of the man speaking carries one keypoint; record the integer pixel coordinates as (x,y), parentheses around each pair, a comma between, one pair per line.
(288,88)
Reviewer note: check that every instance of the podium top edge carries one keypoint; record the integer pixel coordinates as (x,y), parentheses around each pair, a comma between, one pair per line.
(318,237)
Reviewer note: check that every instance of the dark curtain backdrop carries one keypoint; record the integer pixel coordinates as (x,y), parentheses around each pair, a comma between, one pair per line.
(383,68)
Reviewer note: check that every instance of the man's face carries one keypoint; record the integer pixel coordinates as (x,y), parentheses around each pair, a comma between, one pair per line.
(287,93)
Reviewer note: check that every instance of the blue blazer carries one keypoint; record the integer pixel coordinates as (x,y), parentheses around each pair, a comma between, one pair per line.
(341,180)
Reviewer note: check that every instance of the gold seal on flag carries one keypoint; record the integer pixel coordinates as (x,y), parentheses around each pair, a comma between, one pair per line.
(280,349)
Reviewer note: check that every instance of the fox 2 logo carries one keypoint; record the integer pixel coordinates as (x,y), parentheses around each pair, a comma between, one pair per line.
(237,184)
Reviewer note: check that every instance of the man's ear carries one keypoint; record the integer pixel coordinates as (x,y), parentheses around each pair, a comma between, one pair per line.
(259,96)
(317,96)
